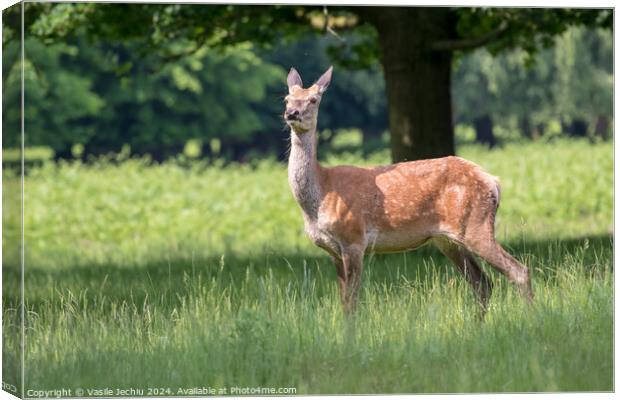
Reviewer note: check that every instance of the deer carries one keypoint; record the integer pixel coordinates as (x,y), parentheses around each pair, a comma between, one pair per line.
(352,211)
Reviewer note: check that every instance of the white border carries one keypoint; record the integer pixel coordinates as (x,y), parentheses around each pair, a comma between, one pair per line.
(484,3)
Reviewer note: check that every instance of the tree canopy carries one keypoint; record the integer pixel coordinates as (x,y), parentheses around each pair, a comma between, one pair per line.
(154,75)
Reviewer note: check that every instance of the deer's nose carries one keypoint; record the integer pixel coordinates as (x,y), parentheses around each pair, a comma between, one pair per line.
(291,114)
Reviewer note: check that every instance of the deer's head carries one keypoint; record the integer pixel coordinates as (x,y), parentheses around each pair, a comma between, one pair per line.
(302,105)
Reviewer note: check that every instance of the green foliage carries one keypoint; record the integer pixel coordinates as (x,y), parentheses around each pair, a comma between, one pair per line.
(144,275)
(572,80)
(57,99)
(155,76)
(106,95)
(584,74)
(159,25)
(208,95)
(529,29)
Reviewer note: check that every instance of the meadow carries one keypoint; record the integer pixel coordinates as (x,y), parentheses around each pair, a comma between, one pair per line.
(198,274)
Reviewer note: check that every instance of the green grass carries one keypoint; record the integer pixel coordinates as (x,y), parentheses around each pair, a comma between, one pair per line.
(175,277)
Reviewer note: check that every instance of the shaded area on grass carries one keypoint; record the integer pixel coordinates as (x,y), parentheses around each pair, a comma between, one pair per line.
(275,320)
(166,279)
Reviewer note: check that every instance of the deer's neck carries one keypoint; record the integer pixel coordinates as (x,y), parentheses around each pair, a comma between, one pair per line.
(303,172)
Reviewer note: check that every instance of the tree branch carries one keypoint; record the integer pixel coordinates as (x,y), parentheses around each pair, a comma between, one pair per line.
(328,28)
(171,57)
(470,43)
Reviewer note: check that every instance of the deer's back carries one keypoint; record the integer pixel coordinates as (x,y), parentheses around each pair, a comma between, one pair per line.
(400,206)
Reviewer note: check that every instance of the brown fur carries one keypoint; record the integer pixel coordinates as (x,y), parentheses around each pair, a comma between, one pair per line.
(350,211)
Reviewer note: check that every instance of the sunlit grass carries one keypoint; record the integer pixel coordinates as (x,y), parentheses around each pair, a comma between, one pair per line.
(166,275)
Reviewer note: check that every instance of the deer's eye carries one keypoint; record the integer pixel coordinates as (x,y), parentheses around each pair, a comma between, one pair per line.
(313,100)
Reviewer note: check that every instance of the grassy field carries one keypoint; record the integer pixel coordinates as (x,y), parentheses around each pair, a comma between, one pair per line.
(175,277)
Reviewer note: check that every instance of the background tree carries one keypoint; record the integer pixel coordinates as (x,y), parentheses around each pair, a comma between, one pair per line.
(476,95)
(59,101)
(568,85)
(583,61)
(196,97)
(118,50)
(106,95)
(415,45)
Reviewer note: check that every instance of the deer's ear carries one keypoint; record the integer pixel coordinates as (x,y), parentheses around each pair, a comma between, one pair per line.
(293,79)
(324,80)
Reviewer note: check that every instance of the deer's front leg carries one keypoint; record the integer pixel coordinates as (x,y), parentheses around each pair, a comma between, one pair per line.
(342,277)
(349,268)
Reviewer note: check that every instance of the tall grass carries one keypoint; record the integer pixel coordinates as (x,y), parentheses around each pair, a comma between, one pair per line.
(177,277)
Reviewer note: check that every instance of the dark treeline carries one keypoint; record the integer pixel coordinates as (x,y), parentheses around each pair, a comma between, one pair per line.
(103,96)
(87,97)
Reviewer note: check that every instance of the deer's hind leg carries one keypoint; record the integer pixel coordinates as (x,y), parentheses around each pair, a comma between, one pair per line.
(466,264)
(492,252)
(479,238)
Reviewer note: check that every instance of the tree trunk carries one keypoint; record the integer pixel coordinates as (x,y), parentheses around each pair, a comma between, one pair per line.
(417,79)
(540,130)
(576,128)
(529,131)
(601,128)
(484,131)
(526,127)
(63,153)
